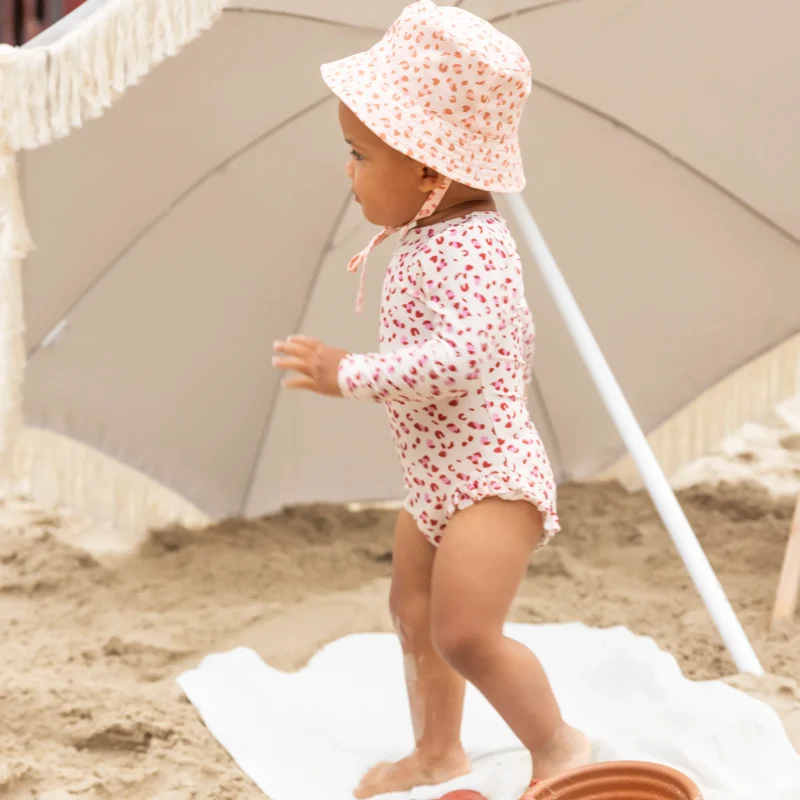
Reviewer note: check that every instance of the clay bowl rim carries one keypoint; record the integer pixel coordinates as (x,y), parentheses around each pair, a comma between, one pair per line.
(641,769)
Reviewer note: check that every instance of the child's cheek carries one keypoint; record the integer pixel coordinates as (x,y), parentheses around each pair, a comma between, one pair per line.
(360,181)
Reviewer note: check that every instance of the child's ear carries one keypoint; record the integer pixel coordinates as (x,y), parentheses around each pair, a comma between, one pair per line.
(431,179)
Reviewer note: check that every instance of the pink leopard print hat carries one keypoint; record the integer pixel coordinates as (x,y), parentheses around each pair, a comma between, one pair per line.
(447,89)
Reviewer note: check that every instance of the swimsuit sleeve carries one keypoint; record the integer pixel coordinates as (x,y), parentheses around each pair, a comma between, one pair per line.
(464,292)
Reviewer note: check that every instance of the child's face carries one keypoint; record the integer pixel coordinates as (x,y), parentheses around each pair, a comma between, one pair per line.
(390,186)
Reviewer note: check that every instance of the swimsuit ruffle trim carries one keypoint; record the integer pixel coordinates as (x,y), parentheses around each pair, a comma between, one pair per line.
(509,485)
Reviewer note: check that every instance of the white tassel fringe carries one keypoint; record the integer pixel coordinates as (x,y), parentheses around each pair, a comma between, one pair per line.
(15,243)
(46,92)
(59,472)
(746,395)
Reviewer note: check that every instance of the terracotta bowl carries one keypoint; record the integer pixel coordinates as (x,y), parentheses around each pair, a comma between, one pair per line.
(618,780)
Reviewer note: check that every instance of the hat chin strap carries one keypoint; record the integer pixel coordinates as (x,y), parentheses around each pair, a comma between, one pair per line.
(360,260)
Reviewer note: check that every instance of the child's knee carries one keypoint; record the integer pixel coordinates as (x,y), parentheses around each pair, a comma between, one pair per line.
(461,643)
(410,610)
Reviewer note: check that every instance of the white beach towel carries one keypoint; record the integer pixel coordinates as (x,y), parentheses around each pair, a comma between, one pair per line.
(313,733)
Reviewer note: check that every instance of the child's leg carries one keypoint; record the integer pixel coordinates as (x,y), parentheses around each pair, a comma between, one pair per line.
(480,564)
(435,689)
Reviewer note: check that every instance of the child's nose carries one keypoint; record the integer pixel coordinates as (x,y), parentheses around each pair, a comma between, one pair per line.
(348,168)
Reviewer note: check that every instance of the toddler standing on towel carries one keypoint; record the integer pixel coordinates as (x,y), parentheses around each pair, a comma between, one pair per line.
(431,114)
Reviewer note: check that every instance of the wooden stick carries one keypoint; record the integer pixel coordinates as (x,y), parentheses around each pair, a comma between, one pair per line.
(789,582)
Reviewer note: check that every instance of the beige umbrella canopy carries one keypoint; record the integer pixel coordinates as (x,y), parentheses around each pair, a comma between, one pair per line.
(207,214)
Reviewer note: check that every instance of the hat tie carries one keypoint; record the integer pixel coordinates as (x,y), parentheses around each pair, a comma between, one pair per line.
(360,259)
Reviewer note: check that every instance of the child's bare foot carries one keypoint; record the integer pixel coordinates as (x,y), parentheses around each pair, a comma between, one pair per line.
(415,770)
(567,750)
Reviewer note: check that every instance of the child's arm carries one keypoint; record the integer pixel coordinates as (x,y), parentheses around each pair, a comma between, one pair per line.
(462,292)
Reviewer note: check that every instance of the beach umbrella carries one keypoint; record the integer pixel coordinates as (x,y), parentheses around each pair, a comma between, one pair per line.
(206,214)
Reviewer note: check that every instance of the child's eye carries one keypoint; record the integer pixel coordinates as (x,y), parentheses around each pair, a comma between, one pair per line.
(356,156)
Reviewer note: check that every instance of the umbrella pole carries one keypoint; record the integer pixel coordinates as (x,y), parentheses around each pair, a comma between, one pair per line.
(653,476)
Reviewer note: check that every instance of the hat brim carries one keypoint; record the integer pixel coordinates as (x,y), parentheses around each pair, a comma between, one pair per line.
(492,165)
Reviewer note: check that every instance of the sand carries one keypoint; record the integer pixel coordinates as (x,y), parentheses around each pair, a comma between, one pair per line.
(92,640)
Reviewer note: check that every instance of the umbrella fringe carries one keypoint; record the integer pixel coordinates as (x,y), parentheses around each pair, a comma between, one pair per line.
(746,395)
(46,92)
(59,472)
(15,243)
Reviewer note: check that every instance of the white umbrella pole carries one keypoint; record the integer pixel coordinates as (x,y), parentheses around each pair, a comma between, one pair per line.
(656,482)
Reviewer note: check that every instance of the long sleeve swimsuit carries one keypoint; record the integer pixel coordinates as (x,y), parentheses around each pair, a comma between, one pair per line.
(456,349)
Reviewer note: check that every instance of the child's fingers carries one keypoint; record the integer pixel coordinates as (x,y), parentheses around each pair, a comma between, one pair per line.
(291,347)
(291,364)
(300,382)
(305,341)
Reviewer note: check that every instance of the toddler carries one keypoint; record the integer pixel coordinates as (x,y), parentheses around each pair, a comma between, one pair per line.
(431,114)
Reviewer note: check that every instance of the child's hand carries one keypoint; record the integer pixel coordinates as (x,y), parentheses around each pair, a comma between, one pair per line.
(316,365)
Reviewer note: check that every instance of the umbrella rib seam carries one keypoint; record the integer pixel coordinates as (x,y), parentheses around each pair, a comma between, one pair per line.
(760,215)
(529,10)
(551,429)
(170,208)
(265,12)
(265,428)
